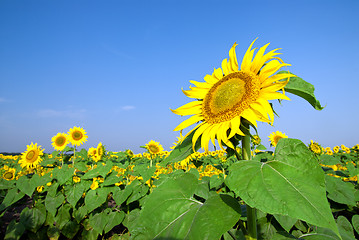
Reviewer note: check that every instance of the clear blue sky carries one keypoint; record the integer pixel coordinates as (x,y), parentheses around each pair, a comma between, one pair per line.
(116,68)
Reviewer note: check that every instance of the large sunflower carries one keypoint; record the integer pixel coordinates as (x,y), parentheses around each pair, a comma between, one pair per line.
(230,94)
(77,136)
(60,141)
(32,156)
(154,147)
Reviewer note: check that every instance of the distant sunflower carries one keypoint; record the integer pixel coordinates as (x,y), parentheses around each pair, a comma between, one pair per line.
(9,174)
(179,140)
(32,156)
(60,141)
(315,147)
(100,150)
(77,136)
(274,137)
(230,94)
(154,147)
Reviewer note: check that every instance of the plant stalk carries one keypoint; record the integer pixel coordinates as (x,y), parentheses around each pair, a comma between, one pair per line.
(251,212)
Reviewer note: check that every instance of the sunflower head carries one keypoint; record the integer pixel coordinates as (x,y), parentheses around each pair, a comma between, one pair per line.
(77,136)
(100,150)
(274,137)
(154,147)
(256,140)
(31,157)
(315,148)
(60,141)
(9,174)
(232,93)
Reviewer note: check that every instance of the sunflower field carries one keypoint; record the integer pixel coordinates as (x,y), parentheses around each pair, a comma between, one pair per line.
(242,191)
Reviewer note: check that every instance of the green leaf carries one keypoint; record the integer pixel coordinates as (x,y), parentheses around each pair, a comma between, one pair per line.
(75,193)
(70,229)
(79,213)
(291,184)
(138,191)
(144,171)
(98,221)
(63,174)
(320,234)
(171,212)
(53,232)
(345,228)
(114,219)
(5,184)
(25,186)
(355,222)
(33,218)
(182,150)
(285,221)
(12,196)
(14,230)
(94,199)
(340,191)
(111,179)
(303,89)
(329,160)
(101,170)
(63,215)
(52,203)
(122,195)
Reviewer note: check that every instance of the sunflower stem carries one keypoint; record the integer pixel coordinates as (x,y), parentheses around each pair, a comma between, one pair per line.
(251,212)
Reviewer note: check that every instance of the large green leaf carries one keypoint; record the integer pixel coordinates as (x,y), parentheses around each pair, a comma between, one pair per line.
(75,193)
(24,184)
(345,228)
(95,198)
(101,170)
(292,184)
(12,196)
(355,222)
(182,150)
(340,191)
(171,212)
(63,174)
(52,203)
(303,89)
(32,219)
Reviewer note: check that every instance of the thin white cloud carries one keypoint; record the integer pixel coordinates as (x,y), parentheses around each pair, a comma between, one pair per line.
(3,100)
(127,108)
(49,113)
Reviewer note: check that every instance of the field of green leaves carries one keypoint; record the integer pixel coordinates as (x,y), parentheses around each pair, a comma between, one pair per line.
(72,195)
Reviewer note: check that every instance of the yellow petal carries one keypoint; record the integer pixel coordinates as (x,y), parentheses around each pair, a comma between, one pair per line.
(267,107)
(250,116)
(201,84)
(190,108)
(274,78)
(210,79)
(217,73)
(225,67)
(233,64)
(275,86)
(248,56)
(188,122)
(273,95)
(198,133)
(213,133)
(195,92)
(259,60)
(235,123)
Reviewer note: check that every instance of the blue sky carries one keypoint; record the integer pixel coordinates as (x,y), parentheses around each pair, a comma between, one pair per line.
(115,68)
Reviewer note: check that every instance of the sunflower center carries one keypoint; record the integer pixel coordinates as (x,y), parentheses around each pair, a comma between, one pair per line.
(60,141)
(153,149)
(276,139)
(77,135)
(230,96)
(31,156)
(8,175)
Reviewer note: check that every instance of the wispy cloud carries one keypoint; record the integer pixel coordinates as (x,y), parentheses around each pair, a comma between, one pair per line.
(127,108)
(3,100)
(49,113)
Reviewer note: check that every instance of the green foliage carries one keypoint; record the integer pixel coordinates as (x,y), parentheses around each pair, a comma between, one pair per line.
(303,89)
(291,184)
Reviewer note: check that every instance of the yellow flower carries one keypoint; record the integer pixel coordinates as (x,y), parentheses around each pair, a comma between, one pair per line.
(315,147)
(9,174)
(77,136)
(256,140)
(39,188)
(32,156)
(94,184)
(60,141)
(49,184)
(274,137)
(336,149)
(179,140)
(232,93)
(100,151)
(76,179)
(154,147)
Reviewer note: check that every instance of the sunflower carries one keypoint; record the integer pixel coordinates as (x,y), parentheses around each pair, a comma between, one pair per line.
(32,156)
(9,174)
(60,141)
(230,94)
(154,147)
(315,147)
(77,136)
(100,150)
(256,140)
(179,140)
(274,137)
